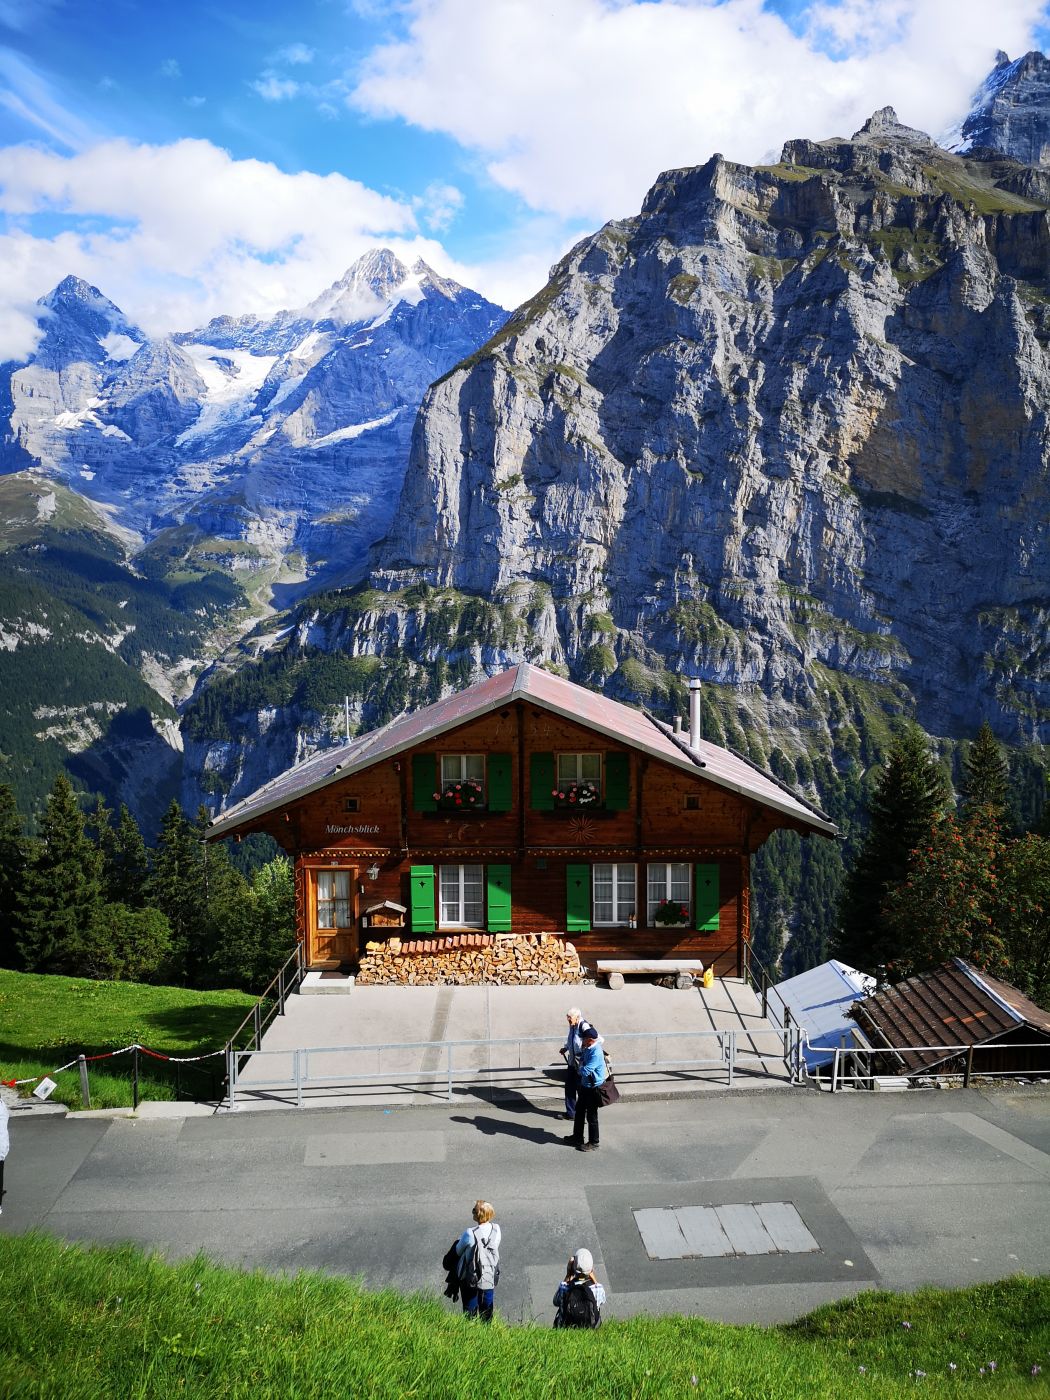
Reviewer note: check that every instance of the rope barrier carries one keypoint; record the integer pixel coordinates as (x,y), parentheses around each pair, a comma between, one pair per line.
(112,1054)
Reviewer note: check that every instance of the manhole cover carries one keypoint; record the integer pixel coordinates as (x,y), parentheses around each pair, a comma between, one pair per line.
(710,1232)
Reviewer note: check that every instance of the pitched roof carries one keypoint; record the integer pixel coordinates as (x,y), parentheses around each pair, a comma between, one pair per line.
(622,723)
(953,1005)
(820,999)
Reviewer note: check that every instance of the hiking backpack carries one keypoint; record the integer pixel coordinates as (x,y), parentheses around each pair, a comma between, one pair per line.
(579,1307)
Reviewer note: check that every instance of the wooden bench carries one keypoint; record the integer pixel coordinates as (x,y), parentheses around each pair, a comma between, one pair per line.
(615,969)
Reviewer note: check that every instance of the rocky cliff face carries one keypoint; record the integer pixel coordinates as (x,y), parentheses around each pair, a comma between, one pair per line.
(1011,112)
(786,429)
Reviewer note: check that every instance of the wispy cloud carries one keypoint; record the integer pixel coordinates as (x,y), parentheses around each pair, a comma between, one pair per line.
(21,15)
(294,54)
(438,205)
(271,87)
(171,68)
(29,96)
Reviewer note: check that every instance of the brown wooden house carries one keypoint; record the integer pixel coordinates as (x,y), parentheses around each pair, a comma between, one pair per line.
(527,804)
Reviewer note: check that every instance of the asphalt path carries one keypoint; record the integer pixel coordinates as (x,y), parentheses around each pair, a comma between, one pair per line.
(896,1190)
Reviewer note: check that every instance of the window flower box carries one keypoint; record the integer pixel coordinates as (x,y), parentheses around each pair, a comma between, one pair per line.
(464,796)
(577,796)
(669,913)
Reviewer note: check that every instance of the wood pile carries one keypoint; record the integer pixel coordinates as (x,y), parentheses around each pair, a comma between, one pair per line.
(470,959)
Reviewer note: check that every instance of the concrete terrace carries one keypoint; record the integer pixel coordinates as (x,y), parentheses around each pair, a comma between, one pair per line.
(402,1038)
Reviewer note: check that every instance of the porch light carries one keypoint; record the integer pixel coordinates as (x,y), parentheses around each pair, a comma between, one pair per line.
(373,872)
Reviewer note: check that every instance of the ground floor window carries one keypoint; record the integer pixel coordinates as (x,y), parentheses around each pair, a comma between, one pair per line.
(668,883)
(462,896)
(614,898)
(334,900)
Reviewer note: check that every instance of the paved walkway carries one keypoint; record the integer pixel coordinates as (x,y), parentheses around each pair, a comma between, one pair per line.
(895,1189)
(408,1037)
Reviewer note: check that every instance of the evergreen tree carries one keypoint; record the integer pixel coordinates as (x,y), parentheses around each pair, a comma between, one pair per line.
(62,887)
(125,945)
(15,850)
(985,776)
(127,864)
(1025,909)
(176,887)
(256,933)
(910,792)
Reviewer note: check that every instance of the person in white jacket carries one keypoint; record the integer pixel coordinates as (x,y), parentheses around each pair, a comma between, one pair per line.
(5,1147)
(485,1234)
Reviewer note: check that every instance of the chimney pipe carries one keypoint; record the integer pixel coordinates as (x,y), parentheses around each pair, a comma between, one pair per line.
(678,724)
(695,686)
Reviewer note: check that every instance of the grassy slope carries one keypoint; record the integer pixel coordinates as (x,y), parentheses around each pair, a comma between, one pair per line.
(45,1021)
(100,1322)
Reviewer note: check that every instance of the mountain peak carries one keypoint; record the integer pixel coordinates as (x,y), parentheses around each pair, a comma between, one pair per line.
(380,270)
(1010,111)
(885,125)
(80,322)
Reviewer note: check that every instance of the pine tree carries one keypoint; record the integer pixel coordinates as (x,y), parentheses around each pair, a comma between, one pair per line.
(127,866)
(15,850)
(911,791)
(176,887)
(62,888)
(985,783)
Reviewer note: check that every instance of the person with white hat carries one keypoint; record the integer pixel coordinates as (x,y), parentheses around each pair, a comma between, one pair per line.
(580,1297)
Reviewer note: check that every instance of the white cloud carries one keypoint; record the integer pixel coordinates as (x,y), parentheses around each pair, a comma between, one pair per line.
(171,68)
(27,95)
(295,53)
(273,88)
(176,234)
(576,107)
(438,205)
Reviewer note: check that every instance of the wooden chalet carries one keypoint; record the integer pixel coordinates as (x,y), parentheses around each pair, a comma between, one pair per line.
(526,804)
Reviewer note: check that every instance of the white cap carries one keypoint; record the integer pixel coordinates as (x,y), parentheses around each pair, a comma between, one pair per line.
(584,1260)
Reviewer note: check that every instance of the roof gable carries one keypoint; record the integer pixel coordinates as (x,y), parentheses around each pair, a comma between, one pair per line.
(623,724)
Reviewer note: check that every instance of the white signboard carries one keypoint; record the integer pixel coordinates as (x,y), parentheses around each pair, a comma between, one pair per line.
(45,1088)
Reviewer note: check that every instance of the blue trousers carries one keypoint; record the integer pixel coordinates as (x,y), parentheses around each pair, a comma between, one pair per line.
(477,1302)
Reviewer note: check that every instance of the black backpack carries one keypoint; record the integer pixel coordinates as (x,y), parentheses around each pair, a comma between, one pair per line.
(579,1307)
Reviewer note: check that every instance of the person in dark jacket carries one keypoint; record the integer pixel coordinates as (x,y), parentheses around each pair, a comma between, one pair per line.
(591,1073)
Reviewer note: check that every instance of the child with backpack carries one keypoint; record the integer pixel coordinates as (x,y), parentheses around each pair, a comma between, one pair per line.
(478,1251)
(580,1297)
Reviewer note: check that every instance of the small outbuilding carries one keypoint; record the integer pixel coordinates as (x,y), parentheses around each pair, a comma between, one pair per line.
(952,1020)
(820,1001)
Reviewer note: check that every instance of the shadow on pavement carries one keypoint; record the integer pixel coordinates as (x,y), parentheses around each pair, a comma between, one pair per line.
(496,1127)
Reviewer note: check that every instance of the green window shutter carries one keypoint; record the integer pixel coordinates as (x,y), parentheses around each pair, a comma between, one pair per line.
(708,899)
(541,782)
(421,879)
(499,787)
(577,899)
(618,781)
(499,898)
(424,782)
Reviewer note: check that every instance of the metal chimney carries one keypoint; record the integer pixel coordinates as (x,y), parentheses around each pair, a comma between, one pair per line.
(695,735)
(678,724)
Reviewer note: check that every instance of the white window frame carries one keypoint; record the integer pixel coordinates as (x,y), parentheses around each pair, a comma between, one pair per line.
(454,769)
(623,904)
(335,900)
(569,769)
(453,896)
(660,882)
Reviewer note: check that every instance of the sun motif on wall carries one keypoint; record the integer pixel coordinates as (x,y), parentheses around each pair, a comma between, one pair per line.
(581,831)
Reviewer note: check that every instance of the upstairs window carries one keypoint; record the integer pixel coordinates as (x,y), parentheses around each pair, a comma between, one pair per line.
(579,780)
(462,780)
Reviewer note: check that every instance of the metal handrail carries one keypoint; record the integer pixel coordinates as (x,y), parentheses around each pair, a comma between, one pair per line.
(284,988)
(941,1069)
(729,1054)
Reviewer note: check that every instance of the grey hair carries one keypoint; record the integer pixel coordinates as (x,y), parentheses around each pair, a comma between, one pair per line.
(574,1011)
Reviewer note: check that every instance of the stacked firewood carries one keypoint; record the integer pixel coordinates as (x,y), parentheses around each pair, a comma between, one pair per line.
(470,959)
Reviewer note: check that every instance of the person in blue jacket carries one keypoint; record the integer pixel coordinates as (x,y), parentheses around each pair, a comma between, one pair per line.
(572,1050)
(590,1073)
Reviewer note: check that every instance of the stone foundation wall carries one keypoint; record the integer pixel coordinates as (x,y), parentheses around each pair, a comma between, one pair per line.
(470,959)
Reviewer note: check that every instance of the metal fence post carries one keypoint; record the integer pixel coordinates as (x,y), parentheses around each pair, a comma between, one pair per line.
(231,1076)
(732,1056)
(85,1088)
(448,1063)
(257,1024)
(835,1070)
(280,991)
(765,996)
(135,1078)
(298,1079)
(969,1067)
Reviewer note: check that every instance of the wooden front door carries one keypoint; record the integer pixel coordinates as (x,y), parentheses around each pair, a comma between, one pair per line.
(333,915)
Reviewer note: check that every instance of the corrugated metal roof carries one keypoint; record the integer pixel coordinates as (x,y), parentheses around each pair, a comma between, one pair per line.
(622,723)
(820,999)
(953,1005)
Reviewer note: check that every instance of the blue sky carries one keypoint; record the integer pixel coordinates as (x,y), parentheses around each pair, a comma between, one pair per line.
(200,157)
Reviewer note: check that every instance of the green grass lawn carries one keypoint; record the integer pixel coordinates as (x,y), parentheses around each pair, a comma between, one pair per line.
(45,1021)
(114,1322)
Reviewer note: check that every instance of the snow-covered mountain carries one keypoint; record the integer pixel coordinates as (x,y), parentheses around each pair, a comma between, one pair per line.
(276,446)
(1010,112)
